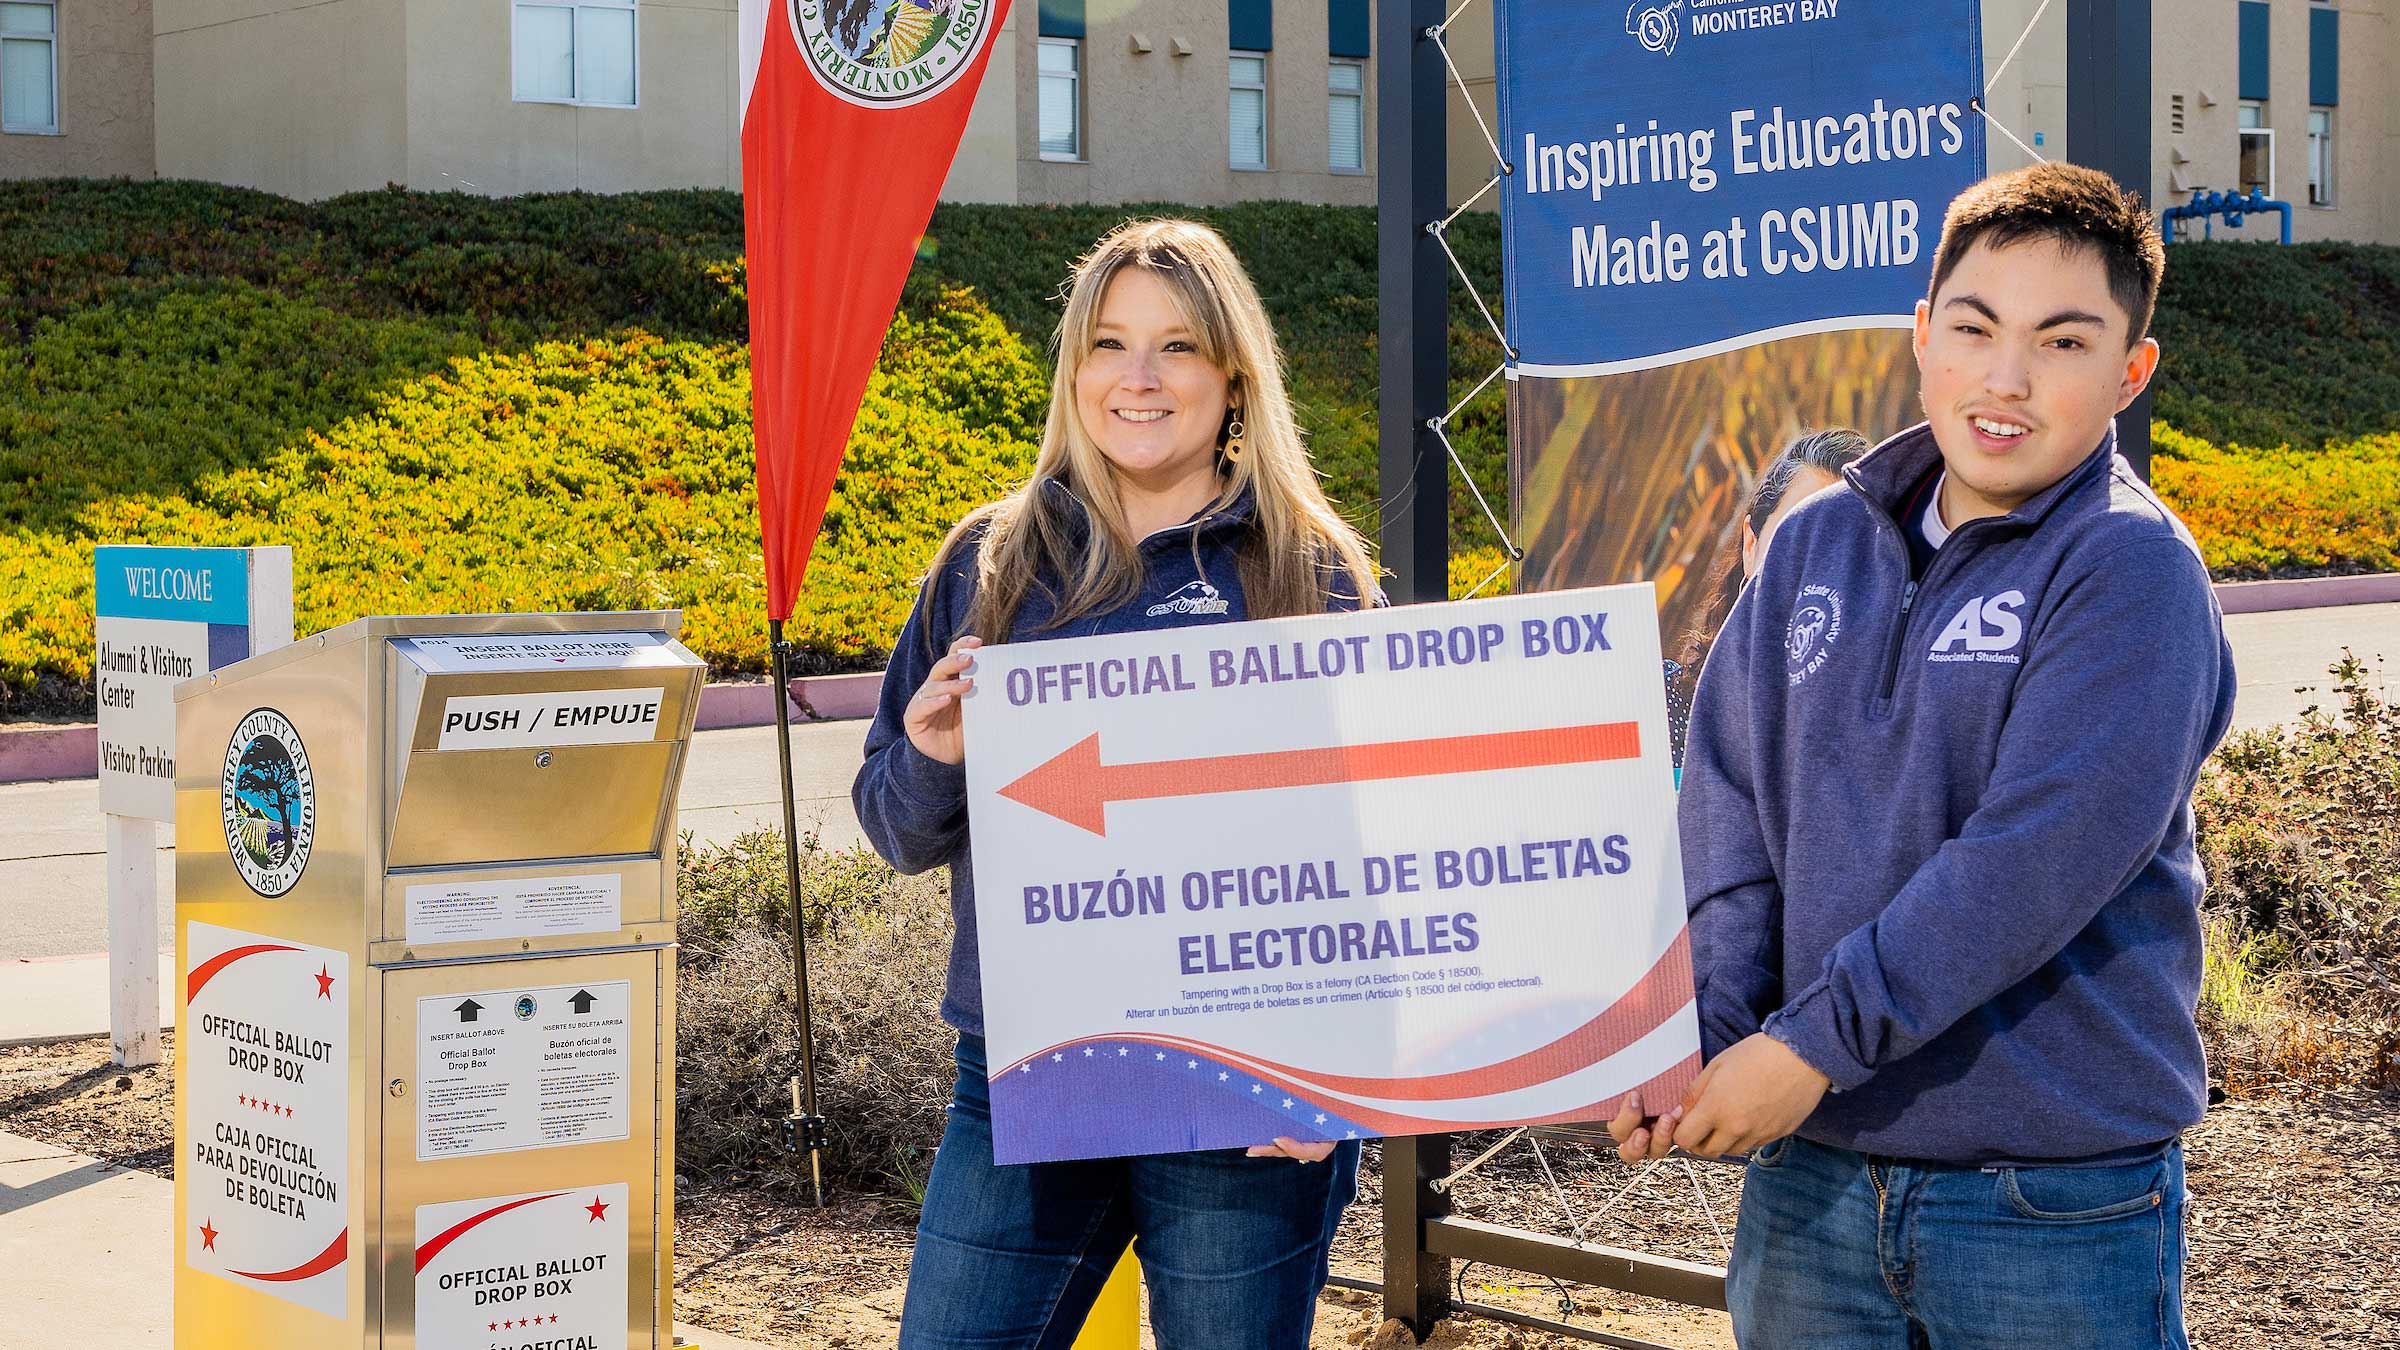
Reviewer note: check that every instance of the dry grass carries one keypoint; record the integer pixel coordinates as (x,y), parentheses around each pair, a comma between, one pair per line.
(878,946)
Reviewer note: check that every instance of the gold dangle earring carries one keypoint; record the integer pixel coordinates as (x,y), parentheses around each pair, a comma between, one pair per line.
(1233,436)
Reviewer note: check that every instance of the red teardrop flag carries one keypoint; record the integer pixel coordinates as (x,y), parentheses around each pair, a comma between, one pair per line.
(851,112)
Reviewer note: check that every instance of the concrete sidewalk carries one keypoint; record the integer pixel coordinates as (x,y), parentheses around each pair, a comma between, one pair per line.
(103,1239)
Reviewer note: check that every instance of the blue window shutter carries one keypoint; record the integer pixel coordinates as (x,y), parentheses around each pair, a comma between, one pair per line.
(1062,18)
(1346,26)
(1253,25)
(2325,57)
(2254,49)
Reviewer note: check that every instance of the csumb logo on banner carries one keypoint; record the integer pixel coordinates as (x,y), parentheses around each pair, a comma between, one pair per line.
(1725,172)
(1659,26)
(889,53)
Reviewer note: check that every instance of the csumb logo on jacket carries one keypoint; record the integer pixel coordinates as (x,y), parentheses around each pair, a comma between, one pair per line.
(1196,597)
(1984,629)
(1815,627)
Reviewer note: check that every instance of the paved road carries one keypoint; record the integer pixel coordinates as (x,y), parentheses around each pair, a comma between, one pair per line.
(52,890)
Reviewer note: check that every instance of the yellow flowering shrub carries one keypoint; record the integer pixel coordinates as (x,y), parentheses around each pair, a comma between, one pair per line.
(608,473)
(2260,513)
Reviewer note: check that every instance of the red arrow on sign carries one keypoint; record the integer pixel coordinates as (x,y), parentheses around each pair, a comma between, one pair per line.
(1076,787)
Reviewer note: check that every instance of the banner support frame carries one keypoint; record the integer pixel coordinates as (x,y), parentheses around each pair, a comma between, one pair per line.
(1413,282)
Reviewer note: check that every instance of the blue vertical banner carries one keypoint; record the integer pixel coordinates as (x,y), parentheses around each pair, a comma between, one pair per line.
(1692,177)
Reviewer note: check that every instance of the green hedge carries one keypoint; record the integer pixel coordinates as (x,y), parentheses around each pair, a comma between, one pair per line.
(2268,346)
(446,401)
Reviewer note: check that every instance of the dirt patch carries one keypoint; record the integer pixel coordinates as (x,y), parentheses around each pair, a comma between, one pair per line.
(2294,1237)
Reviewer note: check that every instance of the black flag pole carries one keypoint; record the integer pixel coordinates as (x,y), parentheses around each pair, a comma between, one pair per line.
(803,1128)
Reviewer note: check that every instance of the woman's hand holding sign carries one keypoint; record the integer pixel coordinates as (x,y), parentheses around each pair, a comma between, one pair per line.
(933,719)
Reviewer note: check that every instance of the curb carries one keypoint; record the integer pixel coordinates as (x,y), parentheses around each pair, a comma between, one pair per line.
(2259,597)
(38,753)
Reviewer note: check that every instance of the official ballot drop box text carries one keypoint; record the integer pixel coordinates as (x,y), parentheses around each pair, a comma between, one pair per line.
(425,923)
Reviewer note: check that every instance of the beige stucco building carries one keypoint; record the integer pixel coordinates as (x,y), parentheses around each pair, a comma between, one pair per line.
(75,89)
(1198,101)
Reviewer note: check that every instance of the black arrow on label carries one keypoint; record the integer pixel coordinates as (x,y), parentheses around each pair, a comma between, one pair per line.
(468,1009)
(582,1001)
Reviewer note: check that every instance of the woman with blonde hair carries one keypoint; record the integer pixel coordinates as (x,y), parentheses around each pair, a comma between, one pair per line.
(1171,489)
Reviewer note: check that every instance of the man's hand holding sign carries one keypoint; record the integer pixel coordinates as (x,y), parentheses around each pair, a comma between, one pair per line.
(1322,878)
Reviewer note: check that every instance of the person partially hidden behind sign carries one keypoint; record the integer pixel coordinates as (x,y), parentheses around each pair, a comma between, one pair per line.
(1950,1018)
(1171,489)
(1810,464)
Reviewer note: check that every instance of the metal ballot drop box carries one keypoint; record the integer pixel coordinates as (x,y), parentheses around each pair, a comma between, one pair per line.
(425,1013)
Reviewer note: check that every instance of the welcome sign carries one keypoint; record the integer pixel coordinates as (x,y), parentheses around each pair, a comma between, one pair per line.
(1332,877)
(162,616)
(1695,176)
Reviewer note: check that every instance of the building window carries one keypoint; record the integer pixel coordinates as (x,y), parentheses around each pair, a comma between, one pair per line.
(29,66)
(2258,150)
(575,51)
(1346,117)
(1062,98)
(2320,157)
(1247,125)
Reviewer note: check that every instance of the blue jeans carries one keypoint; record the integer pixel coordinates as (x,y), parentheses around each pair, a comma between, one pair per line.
(1233,1248)
(1835,1249)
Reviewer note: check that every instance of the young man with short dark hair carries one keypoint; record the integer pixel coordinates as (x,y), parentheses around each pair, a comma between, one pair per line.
(1938,841)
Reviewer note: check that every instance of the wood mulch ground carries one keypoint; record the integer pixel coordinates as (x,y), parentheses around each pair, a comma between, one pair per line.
(2295,1236)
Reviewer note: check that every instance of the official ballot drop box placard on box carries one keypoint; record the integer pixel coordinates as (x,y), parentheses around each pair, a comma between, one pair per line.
(425,923)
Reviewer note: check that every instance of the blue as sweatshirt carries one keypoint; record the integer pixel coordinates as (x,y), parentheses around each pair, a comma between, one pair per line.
(913,807)
(1937,834)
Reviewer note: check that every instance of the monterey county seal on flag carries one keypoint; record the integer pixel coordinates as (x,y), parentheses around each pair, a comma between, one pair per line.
(889,53)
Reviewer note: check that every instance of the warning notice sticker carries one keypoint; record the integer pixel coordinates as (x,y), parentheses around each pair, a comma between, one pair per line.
(508,1069)
(564,717)
(267,1036)
(540,1271)
(522,907)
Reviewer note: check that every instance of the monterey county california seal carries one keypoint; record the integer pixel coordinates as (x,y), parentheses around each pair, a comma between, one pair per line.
(270,802)
(889,53)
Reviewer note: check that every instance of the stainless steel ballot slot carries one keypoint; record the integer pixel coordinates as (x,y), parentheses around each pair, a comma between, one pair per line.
(425,927)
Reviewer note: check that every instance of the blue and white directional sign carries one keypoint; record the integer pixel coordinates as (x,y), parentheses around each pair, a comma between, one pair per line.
(160,617)
(1696,176)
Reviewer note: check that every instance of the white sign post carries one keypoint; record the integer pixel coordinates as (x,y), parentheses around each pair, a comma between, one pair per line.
(161,616)
(1392,872)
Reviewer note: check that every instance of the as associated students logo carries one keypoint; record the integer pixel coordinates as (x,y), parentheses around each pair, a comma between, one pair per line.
(1983,630)
(889,53)
(270,802)
(1815,627)
(1656,25)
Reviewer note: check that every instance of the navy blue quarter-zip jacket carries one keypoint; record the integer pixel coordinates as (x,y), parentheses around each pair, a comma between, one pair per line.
(914,808)
(1937,833)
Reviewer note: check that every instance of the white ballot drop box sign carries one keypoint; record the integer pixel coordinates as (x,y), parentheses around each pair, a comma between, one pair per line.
(425,923)
(1390,872)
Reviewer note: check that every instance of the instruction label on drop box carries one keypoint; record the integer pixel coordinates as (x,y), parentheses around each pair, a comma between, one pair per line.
(566,717)
(507,1069)
(524,1272)
(522,907)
